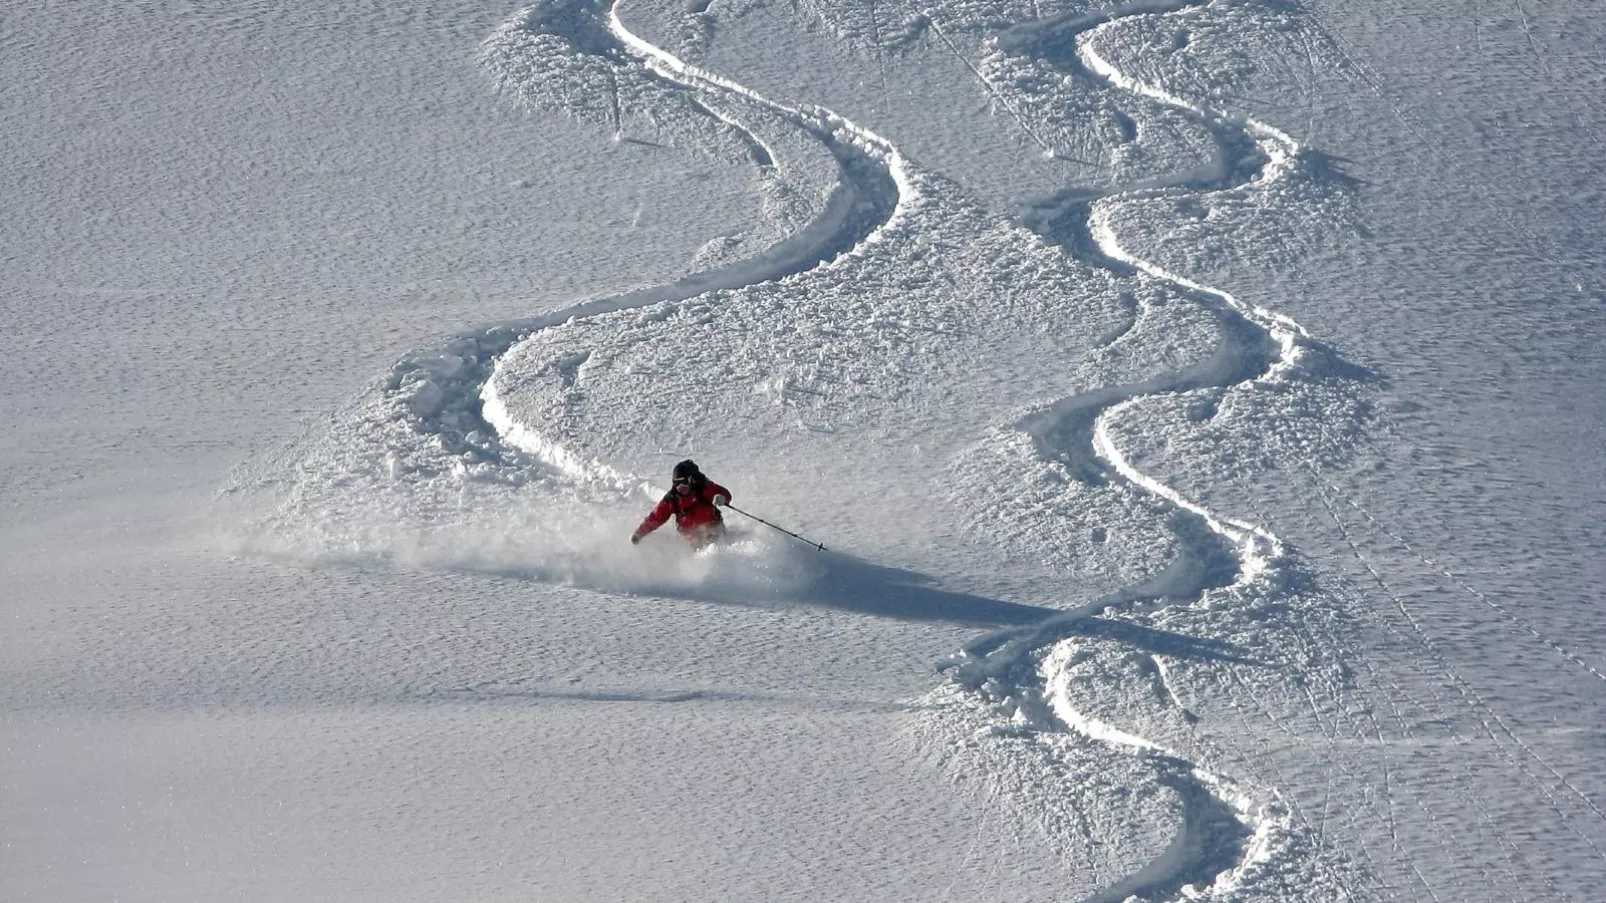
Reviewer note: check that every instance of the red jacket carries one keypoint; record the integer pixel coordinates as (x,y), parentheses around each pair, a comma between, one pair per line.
(694,512)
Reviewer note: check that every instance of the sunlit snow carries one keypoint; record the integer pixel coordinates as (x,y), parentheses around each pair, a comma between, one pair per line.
(1164,442)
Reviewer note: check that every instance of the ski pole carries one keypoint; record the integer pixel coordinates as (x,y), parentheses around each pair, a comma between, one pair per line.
(774,527)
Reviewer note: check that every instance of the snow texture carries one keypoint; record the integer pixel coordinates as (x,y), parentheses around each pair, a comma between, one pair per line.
(1189,411)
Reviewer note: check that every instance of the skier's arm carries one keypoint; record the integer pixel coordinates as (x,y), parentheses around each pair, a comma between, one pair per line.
(716,493)
(654,519)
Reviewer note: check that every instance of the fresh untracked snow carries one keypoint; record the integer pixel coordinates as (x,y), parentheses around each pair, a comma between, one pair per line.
(1189,414)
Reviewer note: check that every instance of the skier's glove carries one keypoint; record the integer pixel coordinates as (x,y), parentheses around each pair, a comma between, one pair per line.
(635,538)
(721,501)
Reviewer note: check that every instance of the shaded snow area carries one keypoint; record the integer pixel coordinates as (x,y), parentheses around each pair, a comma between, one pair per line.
(1185,414)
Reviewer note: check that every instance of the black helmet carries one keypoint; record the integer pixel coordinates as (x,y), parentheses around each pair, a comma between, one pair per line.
(686,470)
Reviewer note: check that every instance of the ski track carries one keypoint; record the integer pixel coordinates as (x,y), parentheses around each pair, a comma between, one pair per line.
(1256,344)
(1259,551)
(1229,829)
(458,379)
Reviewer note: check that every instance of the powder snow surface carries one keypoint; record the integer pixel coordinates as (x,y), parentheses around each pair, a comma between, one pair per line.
(1189,414)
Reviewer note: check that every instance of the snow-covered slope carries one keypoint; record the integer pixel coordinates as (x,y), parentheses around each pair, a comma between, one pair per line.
(1133,364)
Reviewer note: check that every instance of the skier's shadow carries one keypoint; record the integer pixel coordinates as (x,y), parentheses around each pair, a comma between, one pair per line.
(852,585)
(849,584)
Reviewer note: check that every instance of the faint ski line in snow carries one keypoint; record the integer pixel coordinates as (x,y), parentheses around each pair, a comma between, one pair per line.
(614,109)
(1442,569)
(1423,878)
(1465,688)
(1170,691)
(1494,831)
(1491,828)
(875,41)
(1481,597)
(1528,33)
(1477,28)
(1358,731)
(1384,814)
(992,90)
(975,840)
(1298,741)
(1359,70)
(1494,828)
(1388,786)
(1549,73)
(1375,83)
(1327,804)
(1475,701)
(822,120)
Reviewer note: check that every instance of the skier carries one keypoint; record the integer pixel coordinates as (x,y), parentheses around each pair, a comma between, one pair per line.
(695,501)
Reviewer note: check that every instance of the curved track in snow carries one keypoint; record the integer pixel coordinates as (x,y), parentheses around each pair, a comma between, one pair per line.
(448,391)
(439,410)
(1228,830)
